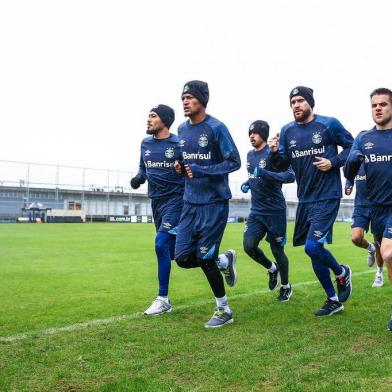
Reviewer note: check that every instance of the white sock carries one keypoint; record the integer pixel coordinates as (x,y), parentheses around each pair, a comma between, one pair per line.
(222,262)
(222,303)
(272,268)
(334,298)
(379,271)
(286,286)
(371,247)
(165,299)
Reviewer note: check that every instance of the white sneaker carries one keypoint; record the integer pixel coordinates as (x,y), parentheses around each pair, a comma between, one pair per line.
(378,281)
(158,307)
(371,259)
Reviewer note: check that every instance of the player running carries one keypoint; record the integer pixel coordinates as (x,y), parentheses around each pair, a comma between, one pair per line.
(309,144)
(208,156)
(268,210)
(361,223)
(372,149)
(165,189)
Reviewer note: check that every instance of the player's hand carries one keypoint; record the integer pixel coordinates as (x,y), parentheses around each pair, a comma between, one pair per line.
(322,164)
(245,187)
(188,171)
(177,167)
(273,143)
(137,181)
(348,189)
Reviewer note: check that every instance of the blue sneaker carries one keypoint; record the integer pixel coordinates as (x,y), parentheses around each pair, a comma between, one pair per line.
(273,279)
(219,319)
(231,271)
(329,308)
(344,285)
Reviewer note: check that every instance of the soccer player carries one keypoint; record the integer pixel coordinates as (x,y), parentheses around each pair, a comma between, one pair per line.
(309,144)
(268,210)
(208,156)
(361,223)
(372,149)
(159,151)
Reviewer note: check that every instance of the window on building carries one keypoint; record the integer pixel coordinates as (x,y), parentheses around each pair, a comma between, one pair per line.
(74,205)
(126,209)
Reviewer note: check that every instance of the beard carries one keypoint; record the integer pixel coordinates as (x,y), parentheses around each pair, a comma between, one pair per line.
(302,116)
(153,131)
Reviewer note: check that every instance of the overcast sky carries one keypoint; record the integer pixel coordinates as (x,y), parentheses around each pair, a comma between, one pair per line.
(78,78)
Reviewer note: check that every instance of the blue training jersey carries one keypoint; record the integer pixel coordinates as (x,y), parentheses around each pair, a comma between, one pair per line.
(211,154)
(301,143)
(157,158)
(372,149)
(361,194)
(266,185)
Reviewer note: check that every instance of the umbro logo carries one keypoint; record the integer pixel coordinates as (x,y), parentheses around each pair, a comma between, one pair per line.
(318,233)
(368,145)
(147,153)
(167,225)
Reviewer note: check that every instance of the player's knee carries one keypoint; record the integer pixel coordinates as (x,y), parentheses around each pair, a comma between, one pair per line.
(386,254)
(250,245)
(356,238)
(162,243)
(186,262)
(313,248)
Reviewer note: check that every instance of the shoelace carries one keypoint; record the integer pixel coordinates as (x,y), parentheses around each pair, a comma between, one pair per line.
(218,313)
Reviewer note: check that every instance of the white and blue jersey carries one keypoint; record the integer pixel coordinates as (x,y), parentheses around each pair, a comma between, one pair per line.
(301,143)
(265,184)
(211,154)
(157,159)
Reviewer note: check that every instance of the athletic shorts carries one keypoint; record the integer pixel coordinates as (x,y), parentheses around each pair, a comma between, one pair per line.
(274,226)
(314,221)
(382,222)
(361,218)
(166,213)
(200,230)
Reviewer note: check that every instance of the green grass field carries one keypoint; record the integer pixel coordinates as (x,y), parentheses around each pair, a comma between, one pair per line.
(71,299)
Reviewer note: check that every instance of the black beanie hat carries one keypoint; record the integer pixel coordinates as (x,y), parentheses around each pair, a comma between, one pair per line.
(305,92)
(198,89)
(260,127)
(165,113)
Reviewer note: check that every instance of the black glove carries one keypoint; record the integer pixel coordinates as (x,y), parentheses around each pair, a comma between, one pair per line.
(137,181)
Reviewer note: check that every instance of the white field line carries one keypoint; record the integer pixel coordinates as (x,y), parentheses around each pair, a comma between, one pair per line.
(114,319)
